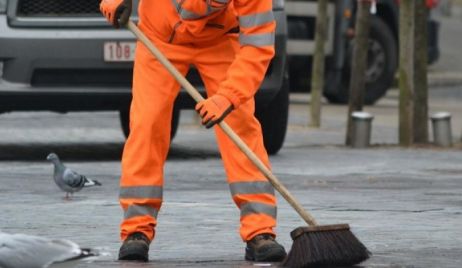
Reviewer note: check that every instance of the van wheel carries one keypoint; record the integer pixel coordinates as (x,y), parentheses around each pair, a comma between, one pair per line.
(124,115)
(273,119)
(381,66)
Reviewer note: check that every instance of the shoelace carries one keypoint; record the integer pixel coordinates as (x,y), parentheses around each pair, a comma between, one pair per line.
(138,236)
(265,237)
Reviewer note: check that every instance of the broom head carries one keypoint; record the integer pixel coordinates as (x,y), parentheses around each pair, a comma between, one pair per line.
(325,246)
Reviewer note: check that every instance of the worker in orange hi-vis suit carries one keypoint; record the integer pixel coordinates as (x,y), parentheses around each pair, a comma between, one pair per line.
(231,43)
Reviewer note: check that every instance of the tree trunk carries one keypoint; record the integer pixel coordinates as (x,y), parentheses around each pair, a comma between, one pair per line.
(359,64)
(406,71)
(317,74)
(420,75)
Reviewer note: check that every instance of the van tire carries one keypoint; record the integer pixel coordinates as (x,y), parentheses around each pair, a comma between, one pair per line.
(274,118)
(381,68)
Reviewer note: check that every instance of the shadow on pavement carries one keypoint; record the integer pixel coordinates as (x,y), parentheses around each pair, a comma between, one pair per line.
(89,151)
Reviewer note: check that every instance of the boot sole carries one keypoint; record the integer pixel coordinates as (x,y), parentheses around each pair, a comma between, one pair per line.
(134,254)
(270,255)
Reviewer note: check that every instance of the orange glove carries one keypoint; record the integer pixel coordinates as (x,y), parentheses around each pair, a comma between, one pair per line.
(214,109)
(117,12)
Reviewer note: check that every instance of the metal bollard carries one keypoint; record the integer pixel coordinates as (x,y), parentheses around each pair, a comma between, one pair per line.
(442,135)
(362,122)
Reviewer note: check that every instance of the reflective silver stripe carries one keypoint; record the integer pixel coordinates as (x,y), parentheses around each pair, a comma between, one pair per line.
(190,15)
(139,210)
(256,19)
(141,192)
(211,9)
(258,40)
(221,1)
(185,14)
(258,187)
(258,208)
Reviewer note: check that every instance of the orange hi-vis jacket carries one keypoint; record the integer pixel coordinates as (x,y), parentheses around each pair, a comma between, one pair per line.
(187,22)
(231,43)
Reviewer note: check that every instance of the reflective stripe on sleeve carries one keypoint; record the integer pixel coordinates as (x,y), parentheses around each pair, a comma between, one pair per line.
(258,208)
(139,210)
(258,40)
(257,187)
(256,19)
(141,192)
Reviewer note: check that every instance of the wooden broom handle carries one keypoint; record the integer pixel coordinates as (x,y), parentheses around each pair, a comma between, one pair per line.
(225,127)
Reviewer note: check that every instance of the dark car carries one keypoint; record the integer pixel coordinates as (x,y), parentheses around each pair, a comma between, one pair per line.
(383,46)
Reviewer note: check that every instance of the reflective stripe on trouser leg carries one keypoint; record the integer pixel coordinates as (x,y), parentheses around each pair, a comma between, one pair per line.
(140,204)
(145,151)
(258,209)
(257,203)
(140,215)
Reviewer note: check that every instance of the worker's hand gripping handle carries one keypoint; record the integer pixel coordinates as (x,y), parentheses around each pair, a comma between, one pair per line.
(227,129)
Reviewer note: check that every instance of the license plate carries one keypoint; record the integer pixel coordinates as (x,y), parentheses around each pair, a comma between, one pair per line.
(119,51)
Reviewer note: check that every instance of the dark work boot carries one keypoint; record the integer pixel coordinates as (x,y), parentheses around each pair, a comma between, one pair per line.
(264,247)
(135,248)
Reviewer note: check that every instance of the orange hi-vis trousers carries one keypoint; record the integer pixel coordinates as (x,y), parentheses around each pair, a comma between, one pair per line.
(224,64)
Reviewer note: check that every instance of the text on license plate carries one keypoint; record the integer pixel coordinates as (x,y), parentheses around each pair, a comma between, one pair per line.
(119,51)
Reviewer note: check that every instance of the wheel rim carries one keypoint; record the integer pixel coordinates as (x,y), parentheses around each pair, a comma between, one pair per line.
(376,61)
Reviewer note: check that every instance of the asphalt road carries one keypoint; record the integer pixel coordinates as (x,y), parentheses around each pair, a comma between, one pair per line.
(404,204)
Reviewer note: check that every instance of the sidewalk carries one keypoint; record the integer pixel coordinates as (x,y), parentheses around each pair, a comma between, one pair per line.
(385,122)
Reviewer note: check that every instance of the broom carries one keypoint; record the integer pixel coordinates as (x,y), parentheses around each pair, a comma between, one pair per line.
(314,246)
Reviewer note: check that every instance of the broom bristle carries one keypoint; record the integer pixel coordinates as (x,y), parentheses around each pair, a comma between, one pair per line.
(325,246)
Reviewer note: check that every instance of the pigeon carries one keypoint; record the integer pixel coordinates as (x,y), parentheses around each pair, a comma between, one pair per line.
(21,250)
(68,180)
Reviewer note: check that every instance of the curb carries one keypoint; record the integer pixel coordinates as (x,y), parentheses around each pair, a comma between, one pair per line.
(444,79)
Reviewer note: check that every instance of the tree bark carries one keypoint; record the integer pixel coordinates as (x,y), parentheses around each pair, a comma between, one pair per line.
(317,74)
(406,71)
(420,75)
(359,64)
